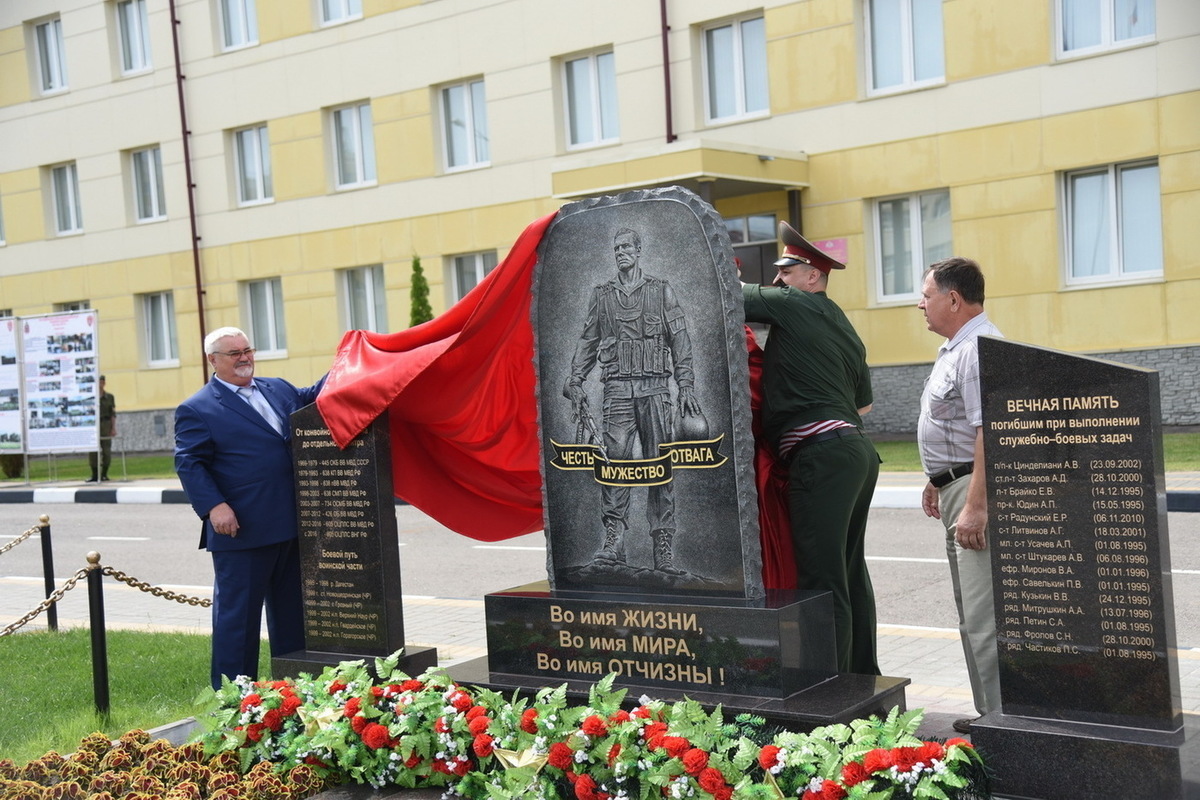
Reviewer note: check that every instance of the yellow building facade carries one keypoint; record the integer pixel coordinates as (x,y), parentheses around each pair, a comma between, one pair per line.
(332,141)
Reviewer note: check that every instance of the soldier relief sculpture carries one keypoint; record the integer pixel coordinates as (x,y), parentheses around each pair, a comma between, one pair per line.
(636,334)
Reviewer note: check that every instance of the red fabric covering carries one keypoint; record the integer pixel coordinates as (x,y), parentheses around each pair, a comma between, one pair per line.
(461,397)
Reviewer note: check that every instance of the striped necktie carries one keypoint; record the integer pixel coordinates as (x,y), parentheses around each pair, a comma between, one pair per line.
(260,404)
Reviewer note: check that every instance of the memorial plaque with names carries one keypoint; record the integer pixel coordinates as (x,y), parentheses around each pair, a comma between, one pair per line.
(1078,534)
(349,551)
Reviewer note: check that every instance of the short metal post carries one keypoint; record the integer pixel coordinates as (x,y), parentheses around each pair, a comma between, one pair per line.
(99,643)
(48,570)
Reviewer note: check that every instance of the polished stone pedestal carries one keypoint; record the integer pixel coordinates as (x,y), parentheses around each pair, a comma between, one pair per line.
(414,661)
(1040,759)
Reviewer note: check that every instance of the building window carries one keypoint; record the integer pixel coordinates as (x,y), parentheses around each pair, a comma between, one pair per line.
(591,107)
(73,305)
(51,56)
(253,153)
(1114,223)
(1088,26)
(6,313)
(239,23)
(262,302)
(64,181)
(906,45)
(364,304)
(133,25)
(334,11)
(354,146)
(158,329)
(464,125)
(469,270)
(753,240)
(912,232)
(148,199)
(735,70)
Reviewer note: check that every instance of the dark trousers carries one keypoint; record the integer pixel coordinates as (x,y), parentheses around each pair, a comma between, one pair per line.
(830,485)
(628,422)
(105,457)
(245,581)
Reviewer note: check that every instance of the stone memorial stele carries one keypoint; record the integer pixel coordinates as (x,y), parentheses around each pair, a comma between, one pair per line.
(651,513)
(349,550)
(1085,622)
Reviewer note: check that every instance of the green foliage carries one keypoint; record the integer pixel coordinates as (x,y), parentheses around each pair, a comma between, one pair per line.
(421,311)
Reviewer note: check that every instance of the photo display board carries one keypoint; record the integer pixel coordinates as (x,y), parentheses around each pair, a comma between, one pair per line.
(59,354)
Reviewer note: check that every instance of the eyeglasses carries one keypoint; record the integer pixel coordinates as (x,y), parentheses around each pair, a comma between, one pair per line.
(249,351)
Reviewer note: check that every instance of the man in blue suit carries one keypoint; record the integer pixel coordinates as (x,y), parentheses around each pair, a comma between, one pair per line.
(233,456)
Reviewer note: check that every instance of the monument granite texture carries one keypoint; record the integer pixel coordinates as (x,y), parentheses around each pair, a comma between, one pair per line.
(651,513)
(349,550)
(1081,562)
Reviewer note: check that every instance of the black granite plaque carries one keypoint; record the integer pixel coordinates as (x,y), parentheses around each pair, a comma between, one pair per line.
(643,393)
(349,549)
(1077,504)
(1089,676)
(772,647)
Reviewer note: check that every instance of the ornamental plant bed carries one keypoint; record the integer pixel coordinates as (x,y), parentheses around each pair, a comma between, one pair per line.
(286,740)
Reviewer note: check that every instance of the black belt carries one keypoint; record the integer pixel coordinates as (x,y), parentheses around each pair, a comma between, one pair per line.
(944,477)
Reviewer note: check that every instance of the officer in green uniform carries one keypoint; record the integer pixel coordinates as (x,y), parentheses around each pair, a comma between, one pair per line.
(635,331)
(816,389)
(108,429)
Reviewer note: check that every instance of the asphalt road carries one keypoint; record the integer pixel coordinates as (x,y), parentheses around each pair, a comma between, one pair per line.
(157,544)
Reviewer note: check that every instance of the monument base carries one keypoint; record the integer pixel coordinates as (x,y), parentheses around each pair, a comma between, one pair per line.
(1041,759)
(840,699)
(414,661)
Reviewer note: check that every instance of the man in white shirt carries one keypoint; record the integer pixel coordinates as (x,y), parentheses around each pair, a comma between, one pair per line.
(950,438)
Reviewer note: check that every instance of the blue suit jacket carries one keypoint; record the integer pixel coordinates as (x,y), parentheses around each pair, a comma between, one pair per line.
(225,452)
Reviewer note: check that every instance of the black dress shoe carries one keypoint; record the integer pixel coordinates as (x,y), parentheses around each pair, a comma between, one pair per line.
(104,478)
(964,725)
(91,479)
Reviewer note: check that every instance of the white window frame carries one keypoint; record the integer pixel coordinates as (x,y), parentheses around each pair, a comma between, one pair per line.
(735,69)
(133,36)
(370,313)
(262,306)
(474,124)
(1107,28)
(480,264)
(353,146)
(64,193)
(920,255)
(239,24)
(1112,219)
(73,305)
(912,44)
(336,12)
(146,184)
(591,116)
(252,165)
(51,56)
(159,339)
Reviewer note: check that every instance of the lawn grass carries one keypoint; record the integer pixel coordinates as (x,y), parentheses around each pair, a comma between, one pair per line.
(43,468)
(46,686)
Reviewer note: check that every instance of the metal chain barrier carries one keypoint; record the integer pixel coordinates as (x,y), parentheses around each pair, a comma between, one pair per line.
(94,563)
(19,539)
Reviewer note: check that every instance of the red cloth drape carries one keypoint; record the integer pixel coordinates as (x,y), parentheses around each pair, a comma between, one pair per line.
(461,397)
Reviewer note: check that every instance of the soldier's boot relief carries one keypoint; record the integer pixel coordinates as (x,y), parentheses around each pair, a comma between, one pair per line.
(614,544)
(664,551)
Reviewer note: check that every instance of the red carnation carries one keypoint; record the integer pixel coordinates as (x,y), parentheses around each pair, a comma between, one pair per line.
(905,758)
(336,687)
(377,691)
(653,729)
(711,780)
(959,742)
(312,761)
(529,720)
(411,686)
(675,746)
(482,745)
(290,704)
(878,760)
(376,736)
(931,751)
(413,760)
(724,793)
(460,700)
(854,773)
(251,700)
(768,756)
(353,706)
(280,685)
(831,790)
(613,752)
(620,716)
(358,724)
(585,789)
(273,719)
(441,726)
(560,756)
(462,767)
(641,712)
(478,725)
(254,732)
(441,766)
(476,711)
(594,726)
(694,761)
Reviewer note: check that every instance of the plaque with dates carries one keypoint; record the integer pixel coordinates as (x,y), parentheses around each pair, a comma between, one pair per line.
(1078,535)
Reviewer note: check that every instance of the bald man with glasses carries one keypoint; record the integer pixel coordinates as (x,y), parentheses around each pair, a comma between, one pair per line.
(233,456)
